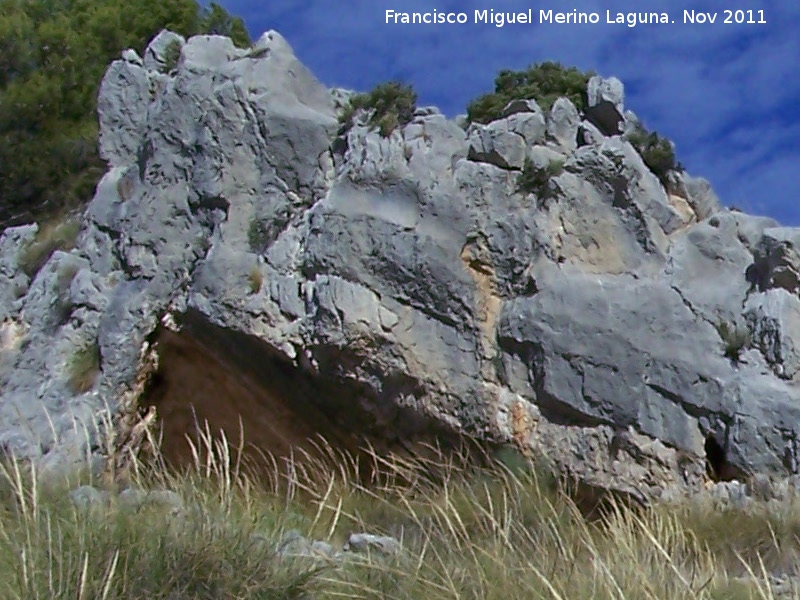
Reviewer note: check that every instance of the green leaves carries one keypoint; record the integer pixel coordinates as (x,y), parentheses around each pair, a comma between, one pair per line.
(545,82)
(216,21)
(53,54)
(16,45)
(656,152)
(392,105)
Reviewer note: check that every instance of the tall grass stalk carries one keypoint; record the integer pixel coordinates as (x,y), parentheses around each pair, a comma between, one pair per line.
(466,531)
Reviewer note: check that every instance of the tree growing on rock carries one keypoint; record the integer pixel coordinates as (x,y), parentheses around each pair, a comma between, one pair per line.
(52,58)
(215,20)
(657,152)
(545,82)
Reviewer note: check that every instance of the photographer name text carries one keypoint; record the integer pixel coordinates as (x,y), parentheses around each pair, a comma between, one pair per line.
(575,17)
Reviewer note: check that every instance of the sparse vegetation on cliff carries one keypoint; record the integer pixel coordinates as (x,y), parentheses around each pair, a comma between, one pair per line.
(544,82)
(735,339)
(172,54)
(58,234)
(535,180)
(657,152)
(255,279)
(391,105)
(84,366)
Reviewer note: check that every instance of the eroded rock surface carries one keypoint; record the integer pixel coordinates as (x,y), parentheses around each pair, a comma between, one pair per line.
(301,280)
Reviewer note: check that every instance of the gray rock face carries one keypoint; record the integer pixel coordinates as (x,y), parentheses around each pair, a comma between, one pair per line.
(364,543)
(697,192)
(774,319)
(562,124)
(609,89)
(122,108)
(400,290)
(497,144)
(778,260)
(605,104)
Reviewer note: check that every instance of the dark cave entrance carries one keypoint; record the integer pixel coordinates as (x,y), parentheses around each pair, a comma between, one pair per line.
(718,468)
(239,385)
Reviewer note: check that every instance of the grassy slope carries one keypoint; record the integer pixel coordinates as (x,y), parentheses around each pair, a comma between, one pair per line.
(467,533)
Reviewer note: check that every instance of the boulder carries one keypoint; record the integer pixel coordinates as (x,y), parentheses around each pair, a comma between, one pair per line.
(562,124)
(133,57)
(87,498)
(604,108)
(497,144)
(365,543)
(696,191)
(122,108)
(521,106)
(601,89)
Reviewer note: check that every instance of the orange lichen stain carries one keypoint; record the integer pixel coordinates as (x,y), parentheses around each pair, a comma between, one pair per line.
(522,425)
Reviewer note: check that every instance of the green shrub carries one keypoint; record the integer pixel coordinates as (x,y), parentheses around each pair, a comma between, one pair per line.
(535,180)
(215,20)
(656,152)
(172,54)
(544,82)
(392,105)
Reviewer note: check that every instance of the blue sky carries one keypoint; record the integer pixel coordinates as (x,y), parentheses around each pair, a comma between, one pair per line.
(728,95)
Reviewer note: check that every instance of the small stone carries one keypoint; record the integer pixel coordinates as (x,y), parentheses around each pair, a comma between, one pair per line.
(387,318)
(293,544)
(427,111)
(166,499)
(322,549)
(133,57)
(135,498)
(521,106)
(363,543)
(86,498)
(155,55)
(731,494)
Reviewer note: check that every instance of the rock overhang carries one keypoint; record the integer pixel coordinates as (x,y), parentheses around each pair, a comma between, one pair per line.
(416,258)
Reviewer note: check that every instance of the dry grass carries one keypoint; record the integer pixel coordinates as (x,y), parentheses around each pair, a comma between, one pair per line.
(83,368)
(256,279)
(59,234)
(467,532)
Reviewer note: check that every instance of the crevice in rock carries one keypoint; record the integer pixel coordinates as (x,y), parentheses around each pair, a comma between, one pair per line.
(718,468)
(605,116)
(242,386)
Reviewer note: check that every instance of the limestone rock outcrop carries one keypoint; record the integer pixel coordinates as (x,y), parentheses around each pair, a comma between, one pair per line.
(296,279)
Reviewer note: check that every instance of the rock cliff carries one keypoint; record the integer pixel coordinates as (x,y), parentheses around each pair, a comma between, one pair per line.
(279,275)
